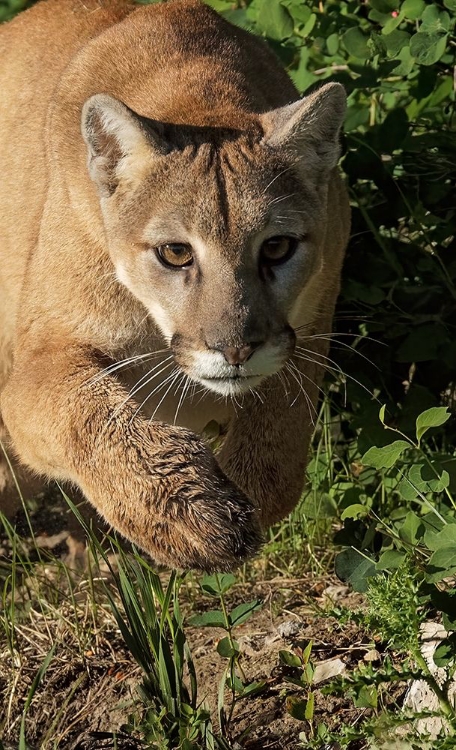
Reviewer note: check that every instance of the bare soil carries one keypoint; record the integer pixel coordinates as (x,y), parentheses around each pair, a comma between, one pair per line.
(90,687)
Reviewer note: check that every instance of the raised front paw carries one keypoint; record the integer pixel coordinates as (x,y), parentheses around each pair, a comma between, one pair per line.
(205,521)
(179,506)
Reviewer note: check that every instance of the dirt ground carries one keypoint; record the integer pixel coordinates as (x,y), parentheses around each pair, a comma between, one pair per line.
(89,689)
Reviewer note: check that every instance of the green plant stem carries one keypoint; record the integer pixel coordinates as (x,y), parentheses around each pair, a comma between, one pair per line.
(444,703)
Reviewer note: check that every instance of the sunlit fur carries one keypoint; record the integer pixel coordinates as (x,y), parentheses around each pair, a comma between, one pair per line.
(125,127)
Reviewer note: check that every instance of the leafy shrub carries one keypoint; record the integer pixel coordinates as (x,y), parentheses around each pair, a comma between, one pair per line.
(396,61)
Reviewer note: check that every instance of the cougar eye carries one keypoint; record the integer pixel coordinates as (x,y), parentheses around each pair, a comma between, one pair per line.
(175,255)
(277,250)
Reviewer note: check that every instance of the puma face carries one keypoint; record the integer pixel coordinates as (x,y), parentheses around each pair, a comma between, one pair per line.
(218,231)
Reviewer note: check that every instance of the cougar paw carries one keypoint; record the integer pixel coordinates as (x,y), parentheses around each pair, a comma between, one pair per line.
(209,533)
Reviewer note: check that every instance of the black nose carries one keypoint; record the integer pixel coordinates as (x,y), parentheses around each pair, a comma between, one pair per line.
(238,355)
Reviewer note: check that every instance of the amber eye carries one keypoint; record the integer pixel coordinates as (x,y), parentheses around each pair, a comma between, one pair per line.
(277,250)
(174,255)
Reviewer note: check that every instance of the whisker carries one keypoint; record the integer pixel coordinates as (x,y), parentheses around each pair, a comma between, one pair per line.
(185,388)
(282,198)
(333,367)
(148,377)
(123,363)
(303,391)
(203,390)
(256,394)
(342,344)
(303,374)
(333,334)
(319,354)
(154,390)
(233,397)
(282,377)
(287,169)
(165,394)
(337,369)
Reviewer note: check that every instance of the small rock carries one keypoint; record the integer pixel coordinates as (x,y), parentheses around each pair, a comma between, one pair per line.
(288,629)
(325,670)
(372,655)
(334,592)
(420,697)
(251,645)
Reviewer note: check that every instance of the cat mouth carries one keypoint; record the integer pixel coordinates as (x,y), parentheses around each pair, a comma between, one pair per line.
(229,378)
(231,384)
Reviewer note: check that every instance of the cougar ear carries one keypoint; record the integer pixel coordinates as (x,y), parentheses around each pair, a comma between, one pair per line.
(119,142)
(309,126)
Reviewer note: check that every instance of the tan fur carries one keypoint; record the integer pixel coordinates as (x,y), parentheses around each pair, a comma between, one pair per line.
(189,134)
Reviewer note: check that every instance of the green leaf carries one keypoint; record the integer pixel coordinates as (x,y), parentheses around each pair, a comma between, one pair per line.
(354,568)
(383,6)
(443,538)
(450,4)
(220,583)
(355,42)
(307,674)
(253,688)
(441,564)
(289,659)
(392,23)
(297,708)
(386,457)
(236,683)
(355,511)
(227,648)
(306,653)
(309,712)
(242,612)
(428,478)
(391,559)
(445,652)
(427,49)
(412,530)
(406,62)
(308,26)
(407,490)
(395,41)
(300,12)
(433,20)
(275,21)
(413,8)
(433,417)
(332,44)
(211,619)
(367,697)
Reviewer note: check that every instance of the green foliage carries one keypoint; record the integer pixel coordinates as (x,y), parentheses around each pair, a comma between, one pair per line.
(9,8)
(394,610)
(151,624)
(234,678)
(396,61)
(404,559)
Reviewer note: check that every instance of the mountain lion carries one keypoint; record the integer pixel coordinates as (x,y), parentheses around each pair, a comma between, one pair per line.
(172,226)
